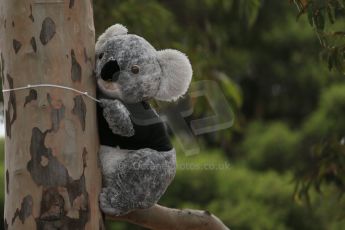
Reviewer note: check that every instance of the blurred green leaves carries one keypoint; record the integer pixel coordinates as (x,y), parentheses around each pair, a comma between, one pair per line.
(323,15)
(322,147)
(270,146)
(156,27)
(243,198)
(249,10)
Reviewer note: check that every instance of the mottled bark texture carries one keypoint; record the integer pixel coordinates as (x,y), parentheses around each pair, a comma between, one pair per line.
(52,175)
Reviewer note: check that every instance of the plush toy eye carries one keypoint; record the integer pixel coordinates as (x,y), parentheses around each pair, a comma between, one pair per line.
(135,69)
(100,55)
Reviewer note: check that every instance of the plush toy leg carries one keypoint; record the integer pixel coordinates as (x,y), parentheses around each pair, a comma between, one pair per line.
(134,179)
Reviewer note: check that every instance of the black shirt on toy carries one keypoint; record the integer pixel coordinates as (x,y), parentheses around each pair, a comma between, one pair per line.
(150,130)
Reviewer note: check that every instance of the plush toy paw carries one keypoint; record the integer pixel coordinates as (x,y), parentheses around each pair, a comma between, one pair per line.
(117,117)
(105,198)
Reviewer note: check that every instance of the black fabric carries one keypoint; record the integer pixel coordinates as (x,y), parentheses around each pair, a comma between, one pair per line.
(153,136)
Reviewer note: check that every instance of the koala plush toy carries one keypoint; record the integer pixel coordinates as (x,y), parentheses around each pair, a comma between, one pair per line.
(137,158)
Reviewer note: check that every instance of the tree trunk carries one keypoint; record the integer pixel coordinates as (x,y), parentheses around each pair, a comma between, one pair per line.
(52,173)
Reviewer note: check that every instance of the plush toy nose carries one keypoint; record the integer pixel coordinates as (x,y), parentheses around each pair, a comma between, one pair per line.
(110,71)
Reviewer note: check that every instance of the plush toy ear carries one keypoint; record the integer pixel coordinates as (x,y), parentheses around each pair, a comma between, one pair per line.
(177,74)
(112,31)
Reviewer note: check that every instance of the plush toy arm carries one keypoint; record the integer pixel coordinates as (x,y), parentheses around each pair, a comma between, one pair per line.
(117,116)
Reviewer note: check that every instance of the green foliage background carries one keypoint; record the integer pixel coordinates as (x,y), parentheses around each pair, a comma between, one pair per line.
(286,149)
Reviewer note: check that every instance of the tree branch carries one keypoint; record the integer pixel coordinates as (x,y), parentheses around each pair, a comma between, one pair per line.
(163,218)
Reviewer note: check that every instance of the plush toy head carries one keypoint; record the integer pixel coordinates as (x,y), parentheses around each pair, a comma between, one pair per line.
(130,69)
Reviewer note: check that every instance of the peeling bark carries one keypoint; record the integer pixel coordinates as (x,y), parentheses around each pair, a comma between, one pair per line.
(33,44)
(11,111)
(71,3)
(79,110)
(47,31)
(51,146)
(54,216)
(84,158)
(25,211)
(31,97)
(52,205)
(54,174)
(76,68)
(2,68)
(16,45)
(31,16)
(57,112)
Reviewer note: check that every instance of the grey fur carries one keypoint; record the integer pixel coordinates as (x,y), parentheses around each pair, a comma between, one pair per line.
(129,50)
(134,179)
(117,116)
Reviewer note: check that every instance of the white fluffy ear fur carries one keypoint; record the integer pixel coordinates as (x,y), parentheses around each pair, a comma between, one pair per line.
(114,30)
(177,74)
